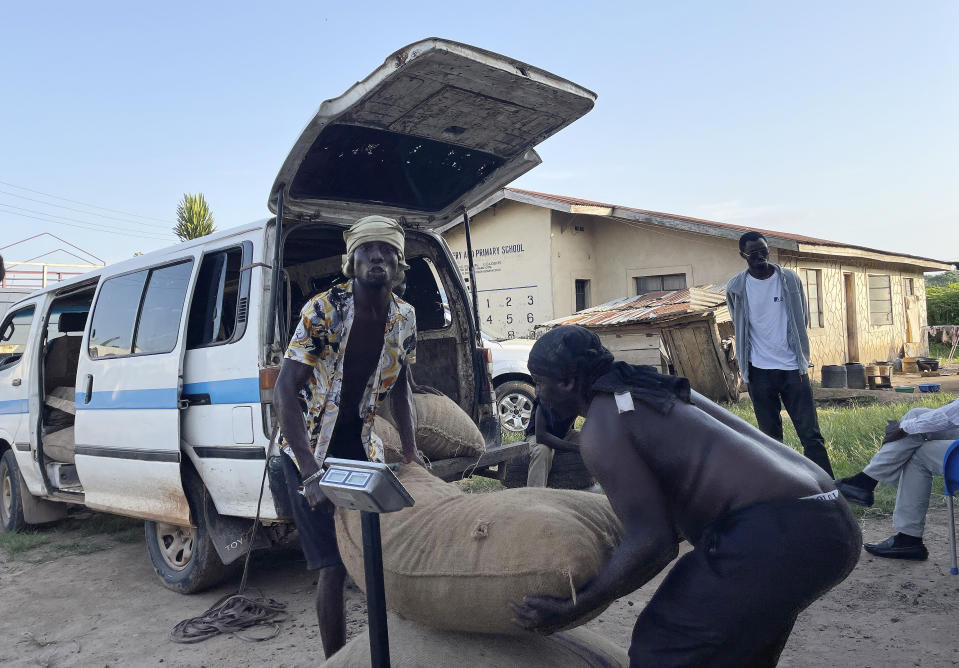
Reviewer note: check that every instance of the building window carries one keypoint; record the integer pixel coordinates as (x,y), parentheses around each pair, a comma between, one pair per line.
(811,281)
(880,300)
(662,283)
(908,287)
(582,294)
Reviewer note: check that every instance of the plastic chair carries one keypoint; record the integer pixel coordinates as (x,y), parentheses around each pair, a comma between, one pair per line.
(950,472)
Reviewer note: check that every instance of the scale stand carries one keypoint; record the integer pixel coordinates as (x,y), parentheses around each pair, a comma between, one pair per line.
(371,488)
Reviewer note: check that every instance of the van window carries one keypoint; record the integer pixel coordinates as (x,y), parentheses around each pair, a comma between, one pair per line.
(213,311)
(159,323)
(13,336)
(139,313)
(425,293)
(115,315)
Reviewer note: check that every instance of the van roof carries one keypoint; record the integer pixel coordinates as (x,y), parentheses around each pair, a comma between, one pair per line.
(147,259)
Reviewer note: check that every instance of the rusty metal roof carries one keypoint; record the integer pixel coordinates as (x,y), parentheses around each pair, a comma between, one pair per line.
(645,308)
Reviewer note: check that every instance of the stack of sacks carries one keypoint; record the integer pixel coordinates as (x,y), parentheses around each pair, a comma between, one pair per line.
(415,645)
(443,430)
(455,561)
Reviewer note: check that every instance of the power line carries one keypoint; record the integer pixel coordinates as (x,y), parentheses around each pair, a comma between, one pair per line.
(93,206)
(85,225)
(88,213)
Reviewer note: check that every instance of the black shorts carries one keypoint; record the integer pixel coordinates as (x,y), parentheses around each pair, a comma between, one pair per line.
(733,600)
(316,528)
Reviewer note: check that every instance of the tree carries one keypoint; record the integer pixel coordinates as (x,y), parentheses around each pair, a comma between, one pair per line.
(193,217)
(942,304)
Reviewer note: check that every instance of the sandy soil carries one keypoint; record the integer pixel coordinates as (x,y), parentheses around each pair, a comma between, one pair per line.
(108,609)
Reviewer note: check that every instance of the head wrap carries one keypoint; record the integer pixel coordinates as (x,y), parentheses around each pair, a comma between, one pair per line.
(375,228)
(570,351)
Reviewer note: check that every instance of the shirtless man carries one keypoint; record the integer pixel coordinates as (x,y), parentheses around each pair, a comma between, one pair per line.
(352,348)
(769,531)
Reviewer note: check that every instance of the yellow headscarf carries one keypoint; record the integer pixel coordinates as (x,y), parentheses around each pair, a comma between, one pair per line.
(375,228)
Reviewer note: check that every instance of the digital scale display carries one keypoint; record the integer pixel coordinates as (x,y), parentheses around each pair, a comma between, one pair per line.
(367,486)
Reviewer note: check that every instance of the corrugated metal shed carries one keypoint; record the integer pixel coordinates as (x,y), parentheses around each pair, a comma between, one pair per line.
(645,309)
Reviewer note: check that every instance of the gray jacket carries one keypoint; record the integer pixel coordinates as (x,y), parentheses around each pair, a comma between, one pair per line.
(797,317)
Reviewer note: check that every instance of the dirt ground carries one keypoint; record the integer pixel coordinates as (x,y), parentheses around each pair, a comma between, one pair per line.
(107,608)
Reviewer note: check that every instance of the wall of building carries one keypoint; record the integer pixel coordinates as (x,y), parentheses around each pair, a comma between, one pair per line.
(828,345)
(511,249)
(528,259)
(617,253)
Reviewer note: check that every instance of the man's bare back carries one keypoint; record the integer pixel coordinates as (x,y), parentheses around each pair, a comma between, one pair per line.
(736,464)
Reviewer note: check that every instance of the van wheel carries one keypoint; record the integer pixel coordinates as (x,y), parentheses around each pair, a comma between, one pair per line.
(11,505)
(514,403)
(184,557)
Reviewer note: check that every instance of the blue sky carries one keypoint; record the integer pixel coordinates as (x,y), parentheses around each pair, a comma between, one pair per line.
(835,120)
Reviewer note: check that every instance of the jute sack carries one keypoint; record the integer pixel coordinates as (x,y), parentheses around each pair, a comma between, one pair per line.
(414,645)
(444,430)
(392,447)
(455,561)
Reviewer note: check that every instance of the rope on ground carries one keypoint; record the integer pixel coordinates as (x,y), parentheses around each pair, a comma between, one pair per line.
(235,612)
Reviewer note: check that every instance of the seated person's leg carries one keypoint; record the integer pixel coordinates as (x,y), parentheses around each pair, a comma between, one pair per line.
(540,463)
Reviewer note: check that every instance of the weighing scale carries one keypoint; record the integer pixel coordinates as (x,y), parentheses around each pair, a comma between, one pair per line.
(371,488)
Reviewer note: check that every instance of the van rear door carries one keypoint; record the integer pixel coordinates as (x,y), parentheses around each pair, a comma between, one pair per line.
(440,125)
(128,389)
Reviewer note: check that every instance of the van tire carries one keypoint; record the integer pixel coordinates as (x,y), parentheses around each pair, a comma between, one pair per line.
(11,505)
(168,546)
(514,401)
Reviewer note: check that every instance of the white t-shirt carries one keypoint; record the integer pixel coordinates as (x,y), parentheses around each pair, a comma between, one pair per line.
(768,348)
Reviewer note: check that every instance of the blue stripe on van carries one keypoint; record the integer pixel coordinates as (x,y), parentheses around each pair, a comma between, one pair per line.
(233,391)
(153,399)
(14,406)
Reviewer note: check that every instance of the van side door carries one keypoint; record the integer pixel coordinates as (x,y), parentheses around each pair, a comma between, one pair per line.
(128,389)
(18,341)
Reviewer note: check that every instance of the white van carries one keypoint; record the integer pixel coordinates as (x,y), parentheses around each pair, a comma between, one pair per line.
(144,388)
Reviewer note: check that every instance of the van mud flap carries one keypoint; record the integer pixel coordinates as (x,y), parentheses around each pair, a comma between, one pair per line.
(230,535)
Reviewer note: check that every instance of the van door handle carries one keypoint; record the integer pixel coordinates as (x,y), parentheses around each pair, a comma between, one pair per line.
(88,393)
(16,382)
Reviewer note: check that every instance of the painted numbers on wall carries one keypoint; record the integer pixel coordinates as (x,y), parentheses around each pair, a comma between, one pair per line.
(507,311)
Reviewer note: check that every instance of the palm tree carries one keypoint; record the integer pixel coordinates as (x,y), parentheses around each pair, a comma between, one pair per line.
(193,217)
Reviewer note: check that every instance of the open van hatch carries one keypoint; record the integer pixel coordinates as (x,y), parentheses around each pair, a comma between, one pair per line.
(438,127)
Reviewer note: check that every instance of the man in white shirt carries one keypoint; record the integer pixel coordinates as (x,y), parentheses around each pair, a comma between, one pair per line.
(911,454)
(770,315)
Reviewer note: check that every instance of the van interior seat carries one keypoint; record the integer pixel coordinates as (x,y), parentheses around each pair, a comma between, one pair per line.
(63,353)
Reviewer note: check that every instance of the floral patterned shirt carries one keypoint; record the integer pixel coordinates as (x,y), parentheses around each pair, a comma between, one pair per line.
(320,341)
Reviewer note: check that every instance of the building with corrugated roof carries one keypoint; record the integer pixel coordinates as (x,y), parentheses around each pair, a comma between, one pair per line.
(539,257)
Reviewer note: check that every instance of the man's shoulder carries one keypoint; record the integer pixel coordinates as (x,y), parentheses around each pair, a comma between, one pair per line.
(735,284)
(405,308)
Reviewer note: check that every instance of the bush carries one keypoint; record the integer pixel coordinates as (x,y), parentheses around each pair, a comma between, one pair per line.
(942,304)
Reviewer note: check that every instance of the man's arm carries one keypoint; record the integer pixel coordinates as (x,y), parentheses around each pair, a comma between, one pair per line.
(649,541)
(940,419)
(544,437)
(293,377)
(401,406)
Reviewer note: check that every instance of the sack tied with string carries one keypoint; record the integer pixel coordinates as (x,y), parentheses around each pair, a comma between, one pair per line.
(455,561)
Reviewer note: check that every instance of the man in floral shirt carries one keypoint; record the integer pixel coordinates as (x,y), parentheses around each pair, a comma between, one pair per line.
(353,345)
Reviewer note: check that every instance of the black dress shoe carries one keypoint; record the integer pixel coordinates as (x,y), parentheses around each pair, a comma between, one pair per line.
(855,494)
(888,549)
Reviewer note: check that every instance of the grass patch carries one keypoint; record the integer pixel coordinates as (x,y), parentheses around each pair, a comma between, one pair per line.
(941,350)
(853,435)
(478,484)
(15,544)
(83,532)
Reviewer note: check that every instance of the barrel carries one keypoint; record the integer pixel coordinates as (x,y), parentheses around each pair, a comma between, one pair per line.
(855,376)
(834,375)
